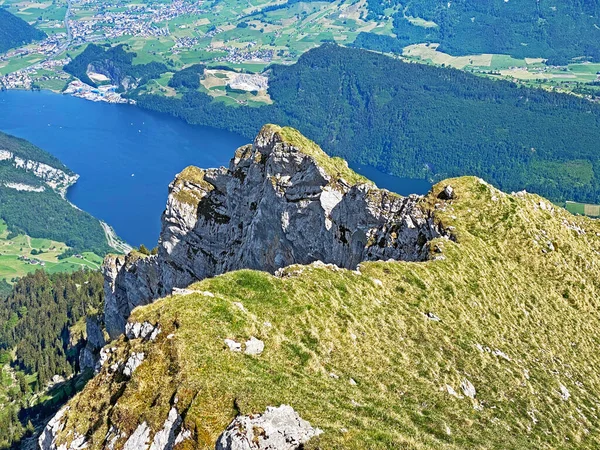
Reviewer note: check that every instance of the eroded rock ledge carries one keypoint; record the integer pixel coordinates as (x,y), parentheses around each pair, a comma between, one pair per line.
(282,201)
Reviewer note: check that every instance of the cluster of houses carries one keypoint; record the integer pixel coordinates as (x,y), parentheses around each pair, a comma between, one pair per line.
(23,79)
(32,261)
(243,55)
(140,19)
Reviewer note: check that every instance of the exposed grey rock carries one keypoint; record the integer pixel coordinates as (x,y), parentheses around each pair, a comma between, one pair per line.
(274,206)
(432,316)
(139,438)
(447,193)
(254,346)
(90,355)
(182,436)
(47,439)
(135,330)
(564,392)
(133,363)
(103,357)
(233,345)
(165,438)
(451,391)
(277,429)
(468,388)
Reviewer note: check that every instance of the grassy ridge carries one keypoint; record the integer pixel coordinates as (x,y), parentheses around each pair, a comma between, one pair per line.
(517,298)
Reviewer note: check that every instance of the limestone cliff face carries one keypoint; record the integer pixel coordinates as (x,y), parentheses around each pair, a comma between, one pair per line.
(282,201)
(57,179)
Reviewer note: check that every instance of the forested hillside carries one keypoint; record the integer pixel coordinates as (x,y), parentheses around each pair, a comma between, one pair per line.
(15,31)
(34,327)
(115,63)
(26,150)
(420,121)
(48,215)
(44,214)
(559,30)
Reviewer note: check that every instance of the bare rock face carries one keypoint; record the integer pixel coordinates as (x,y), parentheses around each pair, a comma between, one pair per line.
(95,341)
(278,428)
(282,201)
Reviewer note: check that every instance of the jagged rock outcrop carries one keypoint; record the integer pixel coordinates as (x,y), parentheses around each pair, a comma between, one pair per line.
(282,201)
(47,439)
(57,179)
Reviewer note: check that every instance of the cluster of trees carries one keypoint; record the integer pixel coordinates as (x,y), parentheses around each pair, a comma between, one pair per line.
(47,215)
(378,42)
(36,317)
(34,323)
(187,78)
(15,32)
(559,31)
(114,62)
(421,121)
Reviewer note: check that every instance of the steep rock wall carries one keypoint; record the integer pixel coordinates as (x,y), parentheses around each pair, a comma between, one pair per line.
(57,179)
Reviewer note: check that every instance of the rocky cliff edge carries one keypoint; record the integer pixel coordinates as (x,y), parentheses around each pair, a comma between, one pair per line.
(282,201)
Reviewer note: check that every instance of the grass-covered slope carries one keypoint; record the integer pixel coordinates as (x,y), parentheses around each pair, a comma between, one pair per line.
(517,300)
(15,32)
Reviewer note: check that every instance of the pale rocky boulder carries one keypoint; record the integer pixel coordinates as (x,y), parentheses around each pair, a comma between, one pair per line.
(278,428)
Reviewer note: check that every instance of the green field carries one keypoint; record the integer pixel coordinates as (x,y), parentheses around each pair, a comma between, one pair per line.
(22,246)
(584,209)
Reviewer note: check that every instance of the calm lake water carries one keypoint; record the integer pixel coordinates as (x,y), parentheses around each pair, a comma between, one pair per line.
(126,156)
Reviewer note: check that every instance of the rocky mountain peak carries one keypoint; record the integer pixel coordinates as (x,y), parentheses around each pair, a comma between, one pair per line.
(282,201)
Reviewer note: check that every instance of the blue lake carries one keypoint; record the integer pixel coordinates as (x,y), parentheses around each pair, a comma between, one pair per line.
(127,156)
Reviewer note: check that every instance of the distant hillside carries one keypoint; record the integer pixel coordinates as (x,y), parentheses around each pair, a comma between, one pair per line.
(26,150)
(15,32)
(559,30)
(113,62)
(490,342)
(420,121)
(32,188)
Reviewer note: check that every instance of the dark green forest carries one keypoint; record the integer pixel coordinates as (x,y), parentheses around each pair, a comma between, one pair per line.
(188,77)
(34,323)
(420,121)
(15,32)
(559,31)
(47,215)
